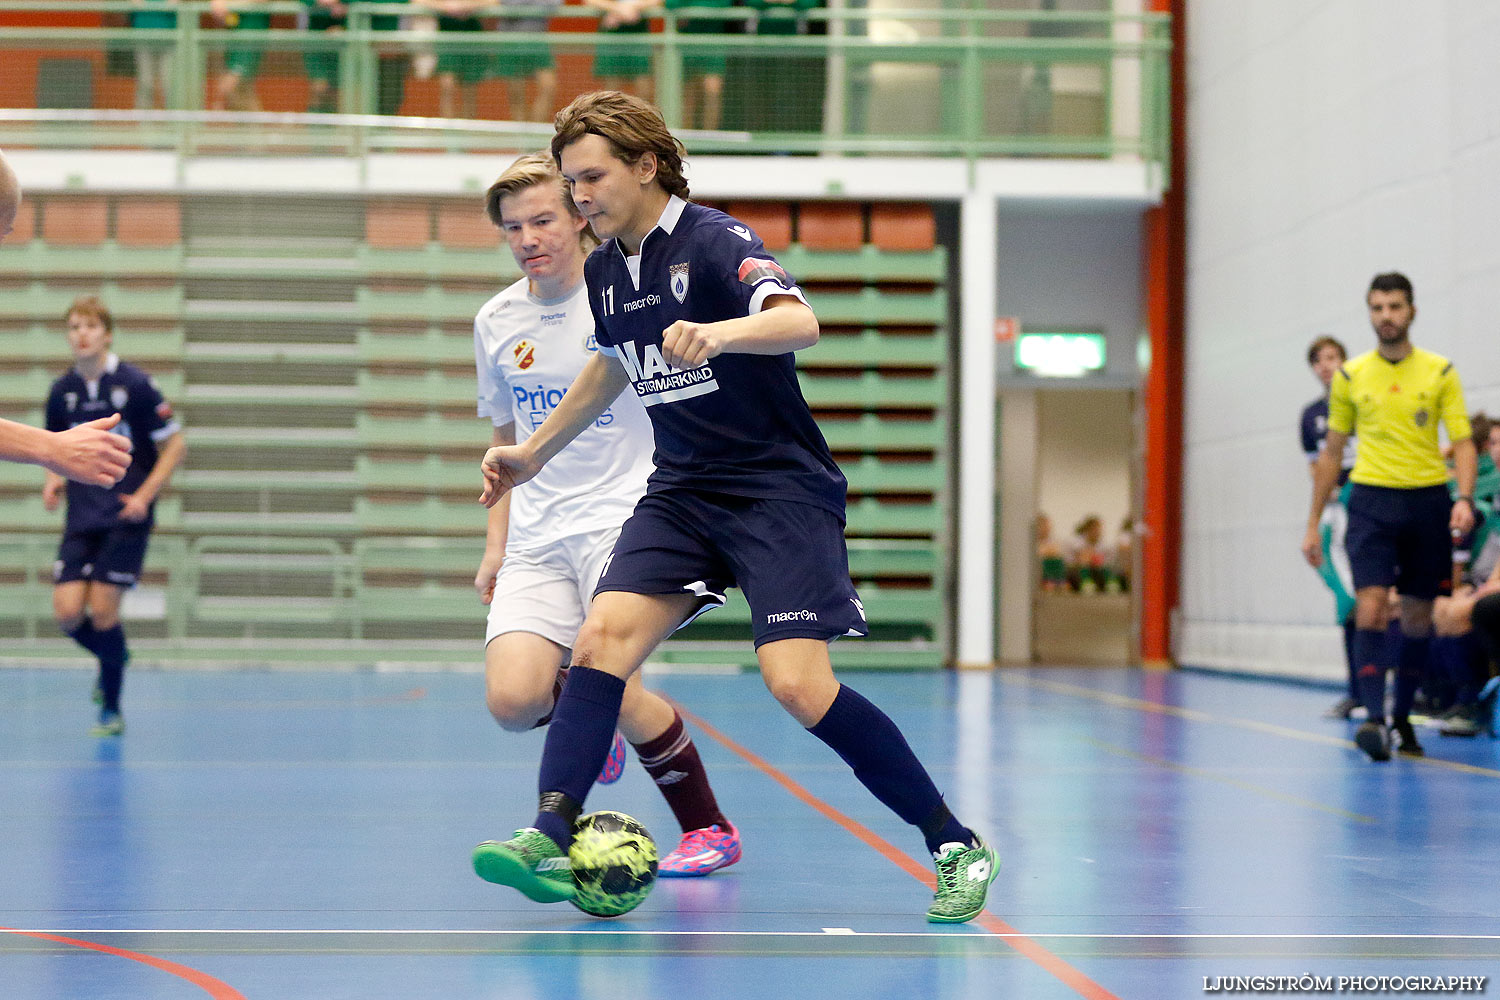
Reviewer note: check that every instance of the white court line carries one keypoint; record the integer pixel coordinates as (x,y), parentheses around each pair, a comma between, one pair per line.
(556,932)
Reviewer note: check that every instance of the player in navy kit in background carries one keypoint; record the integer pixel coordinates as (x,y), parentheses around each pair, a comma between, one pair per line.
(693,315)
(87,453)
(107,528)
(1324,356)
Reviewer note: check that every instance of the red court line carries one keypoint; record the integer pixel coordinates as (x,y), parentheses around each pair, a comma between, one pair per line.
(213,987)
(1075,980)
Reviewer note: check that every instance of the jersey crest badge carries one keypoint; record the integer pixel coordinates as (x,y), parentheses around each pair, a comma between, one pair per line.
(70,400)
(679,281)
(118,397)
(524,354)
(1420,418)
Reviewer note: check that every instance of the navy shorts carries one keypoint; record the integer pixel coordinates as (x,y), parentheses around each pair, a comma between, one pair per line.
(1400,538)
(107,555)
(787,557)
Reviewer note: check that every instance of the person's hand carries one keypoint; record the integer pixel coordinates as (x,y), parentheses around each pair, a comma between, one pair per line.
(1461,520)
(688,345)
(1312,548)
(89,453)
(504,468)
(52,492)
(484,580)
(134,507)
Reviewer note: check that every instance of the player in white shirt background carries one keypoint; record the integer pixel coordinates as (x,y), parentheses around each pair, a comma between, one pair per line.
(548,541)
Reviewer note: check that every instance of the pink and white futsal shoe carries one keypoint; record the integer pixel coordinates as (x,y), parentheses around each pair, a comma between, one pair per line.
(701,851)
(614,764)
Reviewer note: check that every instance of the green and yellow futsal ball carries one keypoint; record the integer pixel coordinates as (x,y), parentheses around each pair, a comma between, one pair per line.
(614,863)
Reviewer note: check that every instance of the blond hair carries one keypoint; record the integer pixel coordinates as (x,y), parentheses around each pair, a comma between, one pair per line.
(533,170)
(633,127)
(91,307)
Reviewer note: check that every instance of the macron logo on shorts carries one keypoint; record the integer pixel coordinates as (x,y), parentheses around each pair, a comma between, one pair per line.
(791,616)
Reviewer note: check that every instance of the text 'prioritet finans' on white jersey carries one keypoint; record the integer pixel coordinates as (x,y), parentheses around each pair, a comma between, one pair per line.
(526,353)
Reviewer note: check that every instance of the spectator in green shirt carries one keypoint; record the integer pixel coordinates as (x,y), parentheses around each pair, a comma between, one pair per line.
(234,90)
(785,90)
(626,68)
(153,63)
(702,68)
(322,65)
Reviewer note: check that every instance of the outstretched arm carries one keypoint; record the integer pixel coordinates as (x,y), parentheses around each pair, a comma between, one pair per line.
(506,467)
(88,453)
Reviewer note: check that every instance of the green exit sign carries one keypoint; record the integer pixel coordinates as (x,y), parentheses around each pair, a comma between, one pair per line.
(1060,355)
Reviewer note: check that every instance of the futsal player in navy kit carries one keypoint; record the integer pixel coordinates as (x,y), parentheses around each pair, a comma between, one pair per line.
(1324,356)
(107,528)
(87,453)
(696,318)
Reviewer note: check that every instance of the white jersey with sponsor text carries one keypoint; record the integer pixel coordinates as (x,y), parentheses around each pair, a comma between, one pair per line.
(527,352)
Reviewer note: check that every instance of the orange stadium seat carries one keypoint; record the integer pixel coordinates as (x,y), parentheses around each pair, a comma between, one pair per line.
(771,220)
(462,225)
(831,225)
(25,226)
(398,225)
(149,222)
(902,226)
(77,222)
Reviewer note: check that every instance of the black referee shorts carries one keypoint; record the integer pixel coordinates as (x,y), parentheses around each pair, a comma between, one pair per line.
(1400,538)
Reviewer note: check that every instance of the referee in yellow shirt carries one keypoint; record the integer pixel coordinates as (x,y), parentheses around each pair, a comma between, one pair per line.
(1400,515)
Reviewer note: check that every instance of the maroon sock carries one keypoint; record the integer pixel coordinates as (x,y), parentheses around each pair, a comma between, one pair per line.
(557,686)
(673,763)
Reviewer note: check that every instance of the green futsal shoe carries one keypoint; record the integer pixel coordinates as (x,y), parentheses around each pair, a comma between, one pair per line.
(530,863)
(964,875)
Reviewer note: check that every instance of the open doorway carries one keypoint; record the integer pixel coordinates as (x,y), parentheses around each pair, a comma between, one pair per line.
(1083,601)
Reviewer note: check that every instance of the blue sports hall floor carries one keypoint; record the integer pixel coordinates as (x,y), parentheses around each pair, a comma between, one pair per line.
(298,835)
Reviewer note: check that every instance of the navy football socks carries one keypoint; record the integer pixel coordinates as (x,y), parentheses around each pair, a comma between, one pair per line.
(871,744)
(1369,650)
(578,741)
(110,648)
(1411,669)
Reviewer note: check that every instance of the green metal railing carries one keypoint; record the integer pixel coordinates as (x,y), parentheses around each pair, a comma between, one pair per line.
(891,82)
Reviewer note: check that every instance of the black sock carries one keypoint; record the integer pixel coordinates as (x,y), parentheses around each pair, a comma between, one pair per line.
(1369,650)
(1411,669)
(871,744)
(85,635)
(112,654)
(578,741)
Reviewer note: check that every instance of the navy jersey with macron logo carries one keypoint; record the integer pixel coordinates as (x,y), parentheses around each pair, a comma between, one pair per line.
(145,419)
(737,424)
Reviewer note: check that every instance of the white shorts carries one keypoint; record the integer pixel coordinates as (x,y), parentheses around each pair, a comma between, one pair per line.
(547,591)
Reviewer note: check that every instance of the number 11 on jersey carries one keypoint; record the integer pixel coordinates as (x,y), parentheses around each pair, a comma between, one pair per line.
(608,298)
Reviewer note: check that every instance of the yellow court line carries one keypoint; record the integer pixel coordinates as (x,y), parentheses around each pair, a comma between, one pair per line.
(1245,786)
(1254,725)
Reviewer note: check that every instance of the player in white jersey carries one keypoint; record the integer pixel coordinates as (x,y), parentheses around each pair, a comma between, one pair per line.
(549,540)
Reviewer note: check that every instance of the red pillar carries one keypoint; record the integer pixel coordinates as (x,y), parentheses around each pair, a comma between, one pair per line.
(1164,272)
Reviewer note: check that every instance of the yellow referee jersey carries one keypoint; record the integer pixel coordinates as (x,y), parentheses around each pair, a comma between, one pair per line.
(1394,409)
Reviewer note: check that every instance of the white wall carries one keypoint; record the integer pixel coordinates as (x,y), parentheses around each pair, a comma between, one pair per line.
(1328,140)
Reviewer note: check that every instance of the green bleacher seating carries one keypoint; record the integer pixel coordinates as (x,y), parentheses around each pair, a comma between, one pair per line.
(427,347)
(348,508)
(106,261)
